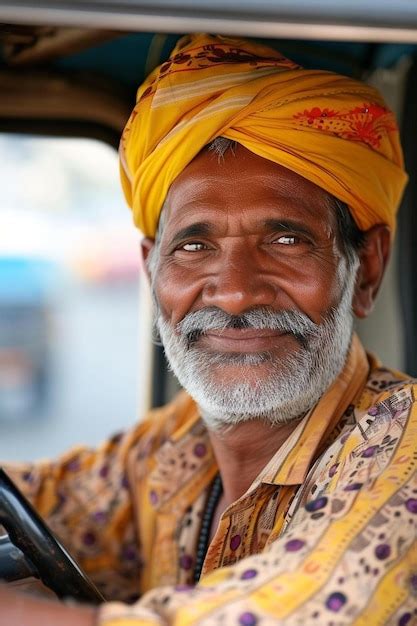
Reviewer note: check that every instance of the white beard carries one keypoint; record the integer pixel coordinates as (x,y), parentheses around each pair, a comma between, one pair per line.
(290,385)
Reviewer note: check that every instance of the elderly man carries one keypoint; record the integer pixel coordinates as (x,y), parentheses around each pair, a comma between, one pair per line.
(282,488)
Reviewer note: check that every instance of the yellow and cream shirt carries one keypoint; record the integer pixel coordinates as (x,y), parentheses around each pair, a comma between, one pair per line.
(326,535)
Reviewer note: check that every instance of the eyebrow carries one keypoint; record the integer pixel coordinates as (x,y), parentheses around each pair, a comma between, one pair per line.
(204,229)
(199,229)
(287,225)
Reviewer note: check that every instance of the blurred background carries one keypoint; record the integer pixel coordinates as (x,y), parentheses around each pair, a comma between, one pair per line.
(76,359)
(69,290)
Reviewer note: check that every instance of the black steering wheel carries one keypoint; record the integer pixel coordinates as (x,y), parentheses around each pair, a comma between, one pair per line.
(30,549)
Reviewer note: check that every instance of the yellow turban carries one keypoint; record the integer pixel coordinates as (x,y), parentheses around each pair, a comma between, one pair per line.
(333,130)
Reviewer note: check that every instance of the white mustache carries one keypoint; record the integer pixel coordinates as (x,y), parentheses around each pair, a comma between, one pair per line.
(195,324)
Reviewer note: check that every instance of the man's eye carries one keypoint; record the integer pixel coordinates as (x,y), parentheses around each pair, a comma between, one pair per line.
(193,247)
(287,240)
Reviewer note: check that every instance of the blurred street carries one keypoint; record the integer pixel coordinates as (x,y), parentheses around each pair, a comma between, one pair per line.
(93,387)
(69,293)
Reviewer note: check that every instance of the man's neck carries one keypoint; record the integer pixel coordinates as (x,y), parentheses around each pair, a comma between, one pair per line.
(242,451)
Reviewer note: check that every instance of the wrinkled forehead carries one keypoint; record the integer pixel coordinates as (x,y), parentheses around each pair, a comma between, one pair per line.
(240,182)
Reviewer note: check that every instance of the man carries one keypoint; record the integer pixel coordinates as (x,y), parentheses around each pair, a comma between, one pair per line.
(283,489)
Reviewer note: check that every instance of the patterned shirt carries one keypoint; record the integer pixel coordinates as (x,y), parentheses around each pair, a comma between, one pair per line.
(326,534)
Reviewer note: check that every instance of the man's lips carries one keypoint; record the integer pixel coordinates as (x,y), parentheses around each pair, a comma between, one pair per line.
(244,333)
(242,339)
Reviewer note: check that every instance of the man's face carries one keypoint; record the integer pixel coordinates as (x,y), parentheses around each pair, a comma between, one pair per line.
(242,237)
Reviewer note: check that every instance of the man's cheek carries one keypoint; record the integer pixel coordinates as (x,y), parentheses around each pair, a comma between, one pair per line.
(171,303)
(317,296)
(177,294)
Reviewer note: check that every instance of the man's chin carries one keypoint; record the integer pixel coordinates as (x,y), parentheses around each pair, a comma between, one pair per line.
(225,407)
(255,370)
(235,393)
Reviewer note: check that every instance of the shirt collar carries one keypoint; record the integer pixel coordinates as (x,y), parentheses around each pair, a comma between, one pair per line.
(292,462)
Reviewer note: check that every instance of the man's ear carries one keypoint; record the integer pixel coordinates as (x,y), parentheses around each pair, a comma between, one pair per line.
(374,255)
(146,245)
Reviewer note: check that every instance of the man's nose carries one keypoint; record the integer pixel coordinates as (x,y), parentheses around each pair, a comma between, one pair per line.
(237,285)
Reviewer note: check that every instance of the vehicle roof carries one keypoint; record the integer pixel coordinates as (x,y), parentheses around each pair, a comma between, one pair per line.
(127,58)
(361,20)
(124,39)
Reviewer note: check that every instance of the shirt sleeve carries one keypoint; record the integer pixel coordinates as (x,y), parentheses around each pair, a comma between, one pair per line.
(84,497)
(348,557)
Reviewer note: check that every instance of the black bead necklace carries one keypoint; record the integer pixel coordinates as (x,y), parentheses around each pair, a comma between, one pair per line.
(213,498)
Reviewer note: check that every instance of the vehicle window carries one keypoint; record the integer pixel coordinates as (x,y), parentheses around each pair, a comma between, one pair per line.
(383,332)
(69,289)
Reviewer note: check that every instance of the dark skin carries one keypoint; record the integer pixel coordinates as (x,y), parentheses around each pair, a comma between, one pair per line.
(258,235)
(242,233)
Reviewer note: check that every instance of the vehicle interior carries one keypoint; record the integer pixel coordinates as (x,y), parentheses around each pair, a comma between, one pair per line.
(70,71)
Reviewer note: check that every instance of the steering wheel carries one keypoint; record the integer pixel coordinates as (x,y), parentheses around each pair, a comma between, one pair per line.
(30,549)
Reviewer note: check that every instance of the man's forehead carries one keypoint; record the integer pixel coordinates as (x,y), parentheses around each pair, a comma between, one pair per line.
(243,182)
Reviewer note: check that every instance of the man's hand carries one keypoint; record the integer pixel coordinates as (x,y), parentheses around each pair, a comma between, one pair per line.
(24,610)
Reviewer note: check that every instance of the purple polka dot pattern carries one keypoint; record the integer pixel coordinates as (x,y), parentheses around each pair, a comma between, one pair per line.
(89,538)
(274,527)
(104,471)
(353,487)
(336,601)
(382,551)
(248,619)
(333,470)
(404,619)
(186,561)
(411,505)
(294,545)
(200,450)
(130,553)
(74,465)
(316,505)
(369,452)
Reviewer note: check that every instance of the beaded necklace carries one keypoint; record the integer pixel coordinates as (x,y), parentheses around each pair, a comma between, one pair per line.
(216,491)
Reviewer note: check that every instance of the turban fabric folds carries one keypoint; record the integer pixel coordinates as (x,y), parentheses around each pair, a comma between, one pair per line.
(333,130)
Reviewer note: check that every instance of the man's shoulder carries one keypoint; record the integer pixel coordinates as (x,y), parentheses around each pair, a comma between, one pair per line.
(384,424)
(377,447)
(387,394)
(388,385)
